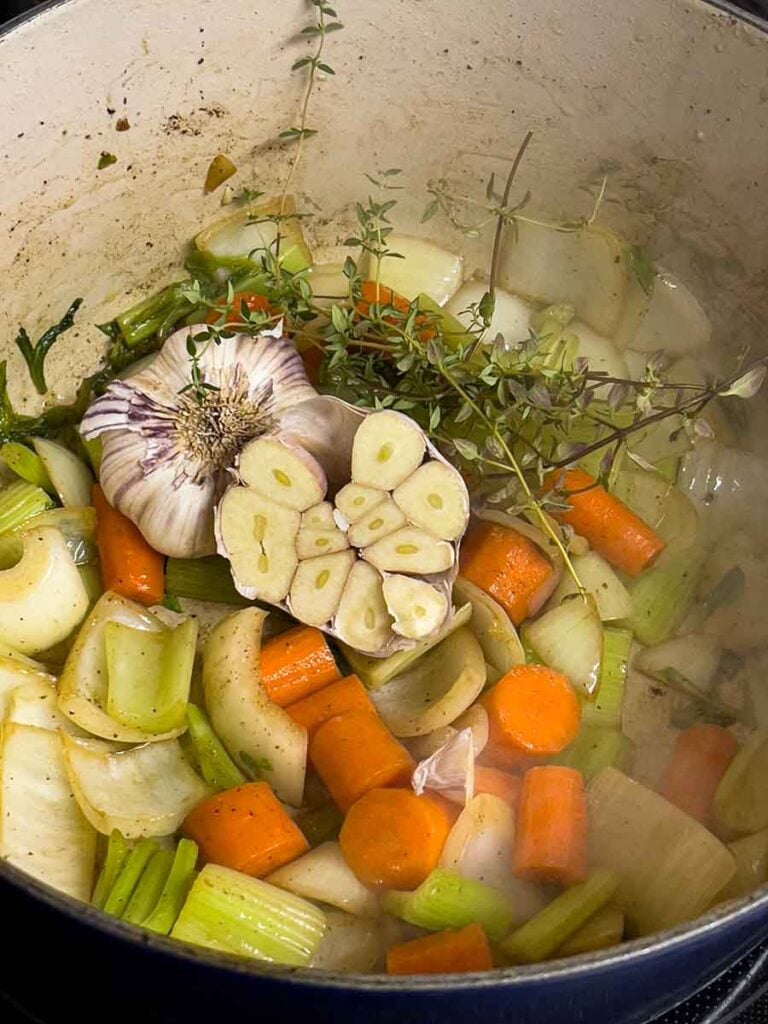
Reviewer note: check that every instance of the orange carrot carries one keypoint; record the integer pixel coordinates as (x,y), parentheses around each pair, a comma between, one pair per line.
(497,783)
(393,838)
(613,530)
(128,565)
(297,663)
(355,752)
(372,293)
(698,762)
(245,829)
(532,711)
(253,303)
(344,695)
(442,953)
(551,831)
(509,567)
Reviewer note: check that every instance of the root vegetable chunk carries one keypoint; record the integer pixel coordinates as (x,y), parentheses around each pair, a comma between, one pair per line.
(382,520)
(417,608)
(311,543)
(412,551)
(319,517)
(354,501)
(362,620)
(280,469)
(318,585)
(258,536)
(387,448)
(436,499)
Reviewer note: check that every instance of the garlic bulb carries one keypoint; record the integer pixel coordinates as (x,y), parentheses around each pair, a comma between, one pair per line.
(166,455)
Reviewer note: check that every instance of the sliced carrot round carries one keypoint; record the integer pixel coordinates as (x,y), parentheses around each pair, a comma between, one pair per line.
(532,711)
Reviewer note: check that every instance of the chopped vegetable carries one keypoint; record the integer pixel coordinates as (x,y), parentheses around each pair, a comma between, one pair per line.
(26,464)
(128,877)
(493,629)
(20,502)
(220,169)
(670,867)
(393,838)
(740,804)
(117,852)
(423,267)
(217,767)
(70,476)
(751,856)
(351,944)
(446,900)
(596,748)
(569,638)
(233,913)
(388,447)
(175,889)
(436,689)
(142,791)
(336,698)
(42,829)
(699,761)
(495,782)
(532,711)
(663,597)
(245,829)
(551,836)
(202,579)
(354,752)
(324,876)
(297,663)
(603,709)
(149,887)
(538,938)
(149,675)
(129,566)
(509,567)
(248,723)
(616,533)
(598,579)
(449,952)
(34,703)
(603,929)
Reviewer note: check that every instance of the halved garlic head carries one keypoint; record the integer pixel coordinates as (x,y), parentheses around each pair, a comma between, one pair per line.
(319,517)
(258,537)
(411,551)
(318,585)
(387,448)
(363,620)
(282,470)
(311,542)
(382,520)
(417,607)
(435,498)
(354,501)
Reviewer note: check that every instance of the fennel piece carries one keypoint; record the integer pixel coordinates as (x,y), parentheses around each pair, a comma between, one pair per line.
(493,629)
(662,597)
(69,475)
(569,638)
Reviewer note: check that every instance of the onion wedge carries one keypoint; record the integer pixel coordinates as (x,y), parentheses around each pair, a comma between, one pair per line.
(15,674)
(246,721)
(35,703)
(145,791)
(493,629)
(324,876)
(42,829)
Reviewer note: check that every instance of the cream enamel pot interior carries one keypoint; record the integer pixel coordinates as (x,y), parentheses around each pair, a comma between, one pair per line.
(668,98)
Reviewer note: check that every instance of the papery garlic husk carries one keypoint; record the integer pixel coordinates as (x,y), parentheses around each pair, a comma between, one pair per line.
(166,456)
(326,427)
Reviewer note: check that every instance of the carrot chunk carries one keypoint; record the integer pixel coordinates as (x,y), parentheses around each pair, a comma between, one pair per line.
(497,783)
(393,838)
(450,952)
(355,752)
(128,565)
(698,762)
(508,567)
(532,711)
(613,530)
(245,829)
(297,663)
(337,698)
(551,831)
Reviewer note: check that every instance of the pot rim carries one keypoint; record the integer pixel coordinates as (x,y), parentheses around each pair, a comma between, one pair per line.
(628,952)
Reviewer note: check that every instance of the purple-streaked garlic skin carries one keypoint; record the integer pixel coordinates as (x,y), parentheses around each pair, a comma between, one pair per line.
(166,456)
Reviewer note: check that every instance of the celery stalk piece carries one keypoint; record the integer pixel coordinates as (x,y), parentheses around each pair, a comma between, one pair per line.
(740,805)
(603,929)
(156,315)
(20,502)
(177,885)
(26,464)
(662,598)
(149,675)
(234,913)
(538,938)
(319,824)
(217,767)
(604,709)
(128,878)
(117,852)
(375,672)
(149,887)
(455,334)
(447,900)
(202,579)
(595,748)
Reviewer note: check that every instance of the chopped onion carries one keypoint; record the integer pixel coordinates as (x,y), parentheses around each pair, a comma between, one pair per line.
(493,629)
(671,318)
(695,656)
(740,804)
(15,674)
(351,945)
(511,315)
(68,474)
(599,580)
(569,639)
(324,876)
(424,267)
(729,486)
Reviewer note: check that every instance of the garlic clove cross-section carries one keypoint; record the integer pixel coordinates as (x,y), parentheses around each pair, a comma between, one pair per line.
(318,585)
(382,520)
(355,501)
(435,498)
(363,620)
(387,448)
(410,551)
(417,607)
(280,469)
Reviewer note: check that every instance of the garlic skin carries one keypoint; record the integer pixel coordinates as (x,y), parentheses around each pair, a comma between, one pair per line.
(166,456)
